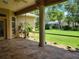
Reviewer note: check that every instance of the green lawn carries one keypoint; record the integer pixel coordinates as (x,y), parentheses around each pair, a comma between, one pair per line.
(75,33)
(64,40)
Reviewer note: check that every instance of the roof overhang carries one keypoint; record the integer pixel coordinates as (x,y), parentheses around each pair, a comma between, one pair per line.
(35,6)
(29,14)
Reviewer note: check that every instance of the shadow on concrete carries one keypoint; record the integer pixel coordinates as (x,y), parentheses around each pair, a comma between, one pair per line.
(27,49)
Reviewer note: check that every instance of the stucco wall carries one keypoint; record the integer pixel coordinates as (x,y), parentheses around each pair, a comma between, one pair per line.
(27,19)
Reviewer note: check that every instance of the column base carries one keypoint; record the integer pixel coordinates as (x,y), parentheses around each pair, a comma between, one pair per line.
(41,44)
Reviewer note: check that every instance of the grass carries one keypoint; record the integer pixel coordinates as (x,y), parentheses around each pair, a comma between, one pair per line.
(64,40)
(74,33)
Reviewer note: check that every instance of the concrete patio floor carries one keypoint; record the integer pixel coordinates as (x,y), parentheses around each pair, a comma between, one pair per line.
(27,49)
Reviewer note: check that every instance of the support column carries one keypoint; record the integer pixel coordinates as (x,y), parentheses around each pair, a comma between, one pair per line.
(41,25)
(9,24)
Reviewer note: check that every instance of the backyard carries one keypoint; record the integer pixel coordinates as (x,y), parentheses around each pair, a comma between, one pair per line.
(67,38)
(61,24)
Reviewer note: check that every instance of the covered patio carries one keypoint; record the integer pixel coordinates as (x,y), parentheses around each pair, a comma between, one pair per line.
(18,48)
(27,49)
(9,11)
(40,5)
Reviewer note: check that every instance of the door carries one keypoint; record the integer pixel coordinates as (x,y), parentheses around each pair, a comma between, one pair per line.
(2,29)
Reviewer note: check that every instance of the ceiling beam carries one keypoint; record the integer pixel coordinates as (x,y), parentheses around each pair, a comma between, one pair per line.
(27,9)
(33,7)
(50,2)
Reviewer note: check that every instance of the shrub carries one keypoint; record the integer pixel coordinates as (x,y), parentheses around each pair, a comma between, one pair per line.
(47,26)
(66,27)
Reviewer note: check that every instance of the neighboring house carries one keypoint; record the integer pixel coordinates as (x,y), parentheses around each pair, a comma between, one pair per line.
(26,18)
(51,24)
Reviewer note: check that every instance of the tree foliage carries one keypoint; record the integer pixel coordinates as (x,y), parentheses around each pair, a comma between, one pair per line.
(55,14)
(70,7)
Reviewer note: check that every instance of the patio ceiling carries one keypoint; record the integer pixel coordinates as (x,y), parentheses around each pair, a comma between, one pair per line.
(35,6)
(15,5)
(20,7)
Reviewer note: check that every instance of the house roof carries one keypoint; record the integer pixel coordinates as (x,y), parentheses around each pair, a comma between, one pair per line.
(53,22)
(29,14)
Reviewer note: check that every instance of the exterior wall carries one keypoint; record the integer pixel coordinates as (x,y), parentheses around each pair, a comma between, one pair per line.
(9,14)
(27,19)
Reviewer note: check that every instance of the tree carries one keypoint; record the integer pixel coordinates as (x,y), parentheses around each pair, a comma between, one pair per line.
(71,15)
(56,14)
(53,15)
(68,20)
(60,17)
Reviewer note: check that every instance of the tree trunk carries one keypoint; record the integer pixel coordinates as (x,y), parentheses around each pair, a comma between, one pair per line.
(59,26)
